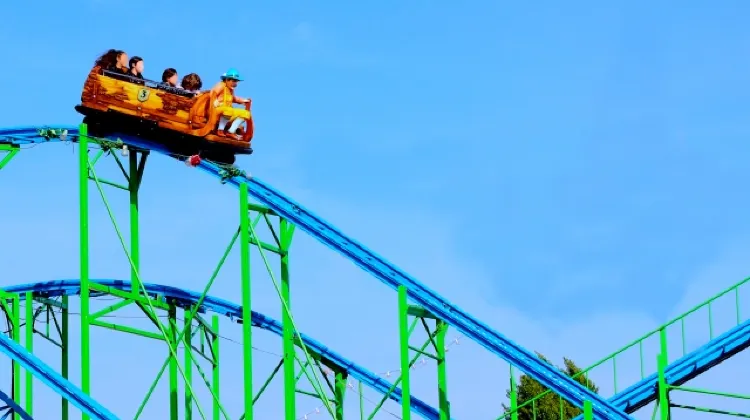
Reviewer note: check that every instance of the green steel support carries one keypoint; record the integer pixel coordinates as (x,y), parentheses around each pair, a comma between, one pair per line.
(215,368)
(513,396)
(661,364)
(126,329)
(444,405)
(191,314)
(281,248)
(588,411)
(317,386)
(361,401)
(111,308)
(65,410)
(7,152)
(148,305)
(16,321)
(268,381)
(188,365)
(83,185)
(418,352)
(286,232)
(403,324)
(247,325)
(173,378)
(135,176)
(339,393)
(29,401)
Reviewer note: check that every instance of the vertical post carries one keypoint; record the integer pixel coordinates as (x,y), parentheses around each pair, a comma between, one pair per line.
(215,370)
(361,401)
(290,381)
(444,404)
(17,338)
(247,325)
(661,364)
(188,365)
(339,393)
(173,378)
(30,347)
(513,396)
(588,410)
(83,185)
(403,329)
(135,255)
(64,354)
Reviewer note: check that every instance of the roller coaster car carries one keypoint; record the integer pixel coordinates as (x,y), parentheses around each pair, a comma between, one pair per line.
(182,123)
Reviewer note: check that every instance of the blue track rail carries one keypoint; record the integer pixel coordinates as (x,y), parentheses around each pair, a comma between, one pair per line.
(54,380)
(187,299)
(685,368)
(392,276)
(13,407)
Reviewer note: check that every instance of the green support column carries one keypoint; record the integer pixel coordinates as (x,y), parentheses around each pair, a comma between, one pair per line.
(444,404)
(661,364)
(361,401)
(513,396)
(30,347)
(215,369)
(290,382)
(174,411)
(339,394)
(247,325)
(17,338)
(403,329)
(188,365)
(65,411)
(135,255)
(588,411)
(663,395)
(83,185)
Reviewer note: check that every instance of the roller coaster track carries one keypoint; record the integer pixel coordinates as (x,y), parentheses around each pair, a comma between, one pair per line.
(370,262)
(222,307)
(51,378)
(618,407)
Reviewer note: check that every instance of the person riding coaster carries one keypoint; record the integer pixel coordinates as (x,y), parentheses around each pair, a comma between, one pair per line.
(223,91)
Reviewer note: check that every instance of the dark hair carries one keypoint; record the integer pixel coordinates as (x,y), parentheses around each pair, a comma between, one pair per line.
(107,59)
(191,82)
(167,74)
(134,60)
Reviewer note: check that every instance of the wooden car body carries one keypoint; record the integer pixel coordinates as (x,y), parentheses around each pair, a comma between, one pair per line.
(121,103)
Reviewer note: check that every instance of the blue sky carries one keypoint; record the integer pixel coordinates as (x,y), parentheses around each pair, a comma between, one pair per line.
(563,172)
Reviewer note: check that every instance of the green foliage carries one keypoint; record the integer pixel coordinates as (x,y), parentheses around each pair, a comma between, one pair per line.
(551,406)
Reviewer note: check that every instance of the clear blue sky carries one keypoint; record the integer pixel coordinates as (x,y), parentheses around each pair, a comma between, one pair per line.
(562,171)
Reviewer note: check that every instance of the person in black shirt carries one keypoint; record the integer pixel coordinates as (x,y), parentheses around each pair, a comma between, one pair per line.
(135,69)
